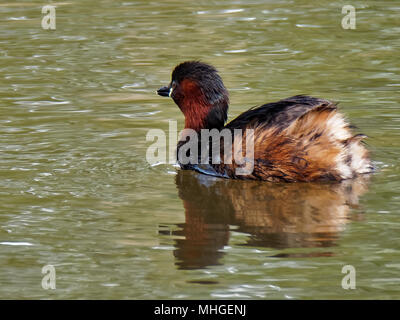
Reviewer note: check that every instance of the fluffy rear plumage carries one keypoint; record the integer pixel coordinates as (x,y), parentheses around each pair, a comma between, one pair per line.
(301,139)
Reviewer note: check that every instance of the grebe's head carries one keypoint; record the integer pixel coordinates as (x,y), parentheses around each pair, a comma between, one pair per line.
(199,92)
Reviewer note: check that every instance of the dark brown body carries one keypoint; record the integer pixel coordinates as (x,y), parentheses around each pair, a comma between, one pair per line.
(300,138)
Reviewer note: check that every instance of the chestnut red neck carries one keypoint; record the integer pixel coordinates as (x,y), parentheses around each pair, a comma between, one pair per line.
(200,110)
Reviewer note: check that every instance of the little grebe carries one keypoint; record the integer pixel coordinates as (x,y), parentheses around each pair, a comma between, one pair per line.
(300,138)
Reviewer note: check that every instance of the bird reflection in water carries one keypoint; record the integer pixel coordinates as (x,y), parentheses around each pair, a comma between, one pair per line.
(294,215)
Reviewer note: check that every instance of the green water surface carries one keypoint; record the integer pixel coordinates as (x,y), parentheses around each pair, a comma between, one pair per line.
(77,192)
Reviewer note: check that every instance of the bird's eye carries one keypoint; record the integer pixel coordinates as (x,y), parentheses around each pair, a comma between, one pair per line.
(172,88)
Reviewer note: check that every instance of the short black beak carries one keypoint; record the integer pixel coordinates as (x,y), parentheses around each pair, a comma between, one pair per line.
(164,91)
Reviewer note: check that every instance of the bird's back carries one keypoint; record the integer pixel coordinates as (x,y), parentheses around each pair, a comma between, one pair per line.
(300,138)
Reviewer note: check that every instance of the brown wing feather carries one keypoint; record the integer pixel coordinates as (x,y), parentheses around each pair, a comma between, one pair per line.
(278,114)
(305,143)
